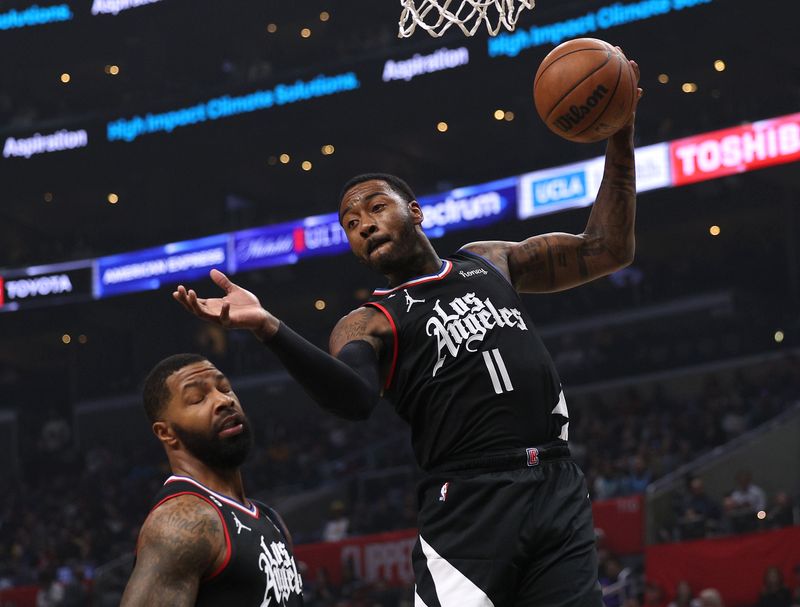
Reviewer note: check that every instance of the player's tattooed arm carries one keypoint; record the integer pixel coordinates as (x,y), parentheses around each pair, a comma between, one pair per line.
(181,541)
(559,261)
(365,324)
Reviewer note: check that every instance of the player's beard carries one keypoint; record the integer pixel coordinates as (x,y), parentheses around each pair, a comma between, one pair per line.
(215,451)
(402,247)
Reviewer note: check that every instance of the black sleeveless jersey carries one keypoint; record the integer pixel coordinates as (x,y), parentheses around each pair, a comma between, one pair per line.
(259,568)
(469,373)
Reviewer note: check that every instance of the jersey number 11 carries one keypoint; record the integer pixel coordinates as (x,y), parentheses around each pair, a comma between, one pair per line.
(497,370)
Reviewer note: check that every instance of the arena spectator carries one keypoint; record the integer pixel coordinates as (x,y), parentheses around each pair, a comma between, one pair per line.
(710,597)
(337,526)
(608,577)
(774,592)
(781,513)
(748,495)
(700,514)
(683,596)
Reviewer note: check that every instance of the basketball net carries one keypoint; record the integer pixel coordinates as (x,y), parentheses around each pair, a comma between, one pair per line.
(436,16)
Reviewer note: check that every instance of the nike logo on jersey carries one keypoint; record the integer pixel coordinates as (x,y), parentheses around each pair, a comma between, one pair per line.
(410,301)
(468,325)
(239,524)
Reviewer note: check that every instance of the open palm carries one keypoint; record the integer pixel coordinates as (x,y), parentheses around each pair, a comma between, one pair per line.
(237,309)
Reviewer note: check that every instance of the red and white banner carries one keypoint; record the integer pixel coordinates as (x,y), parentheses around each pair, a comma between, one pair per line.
(733,565)
(380,557)
(622,522)
(735,150)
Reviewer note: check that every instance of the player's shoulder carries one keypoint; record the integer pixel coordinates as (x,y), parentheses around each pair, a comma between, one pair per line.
(358,318)
(489,249)
(491,253)
(182,520)
(365,323)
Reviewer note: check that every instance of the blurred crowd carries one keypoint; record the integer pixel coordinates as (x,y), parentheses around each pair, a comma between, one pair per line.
(74,510)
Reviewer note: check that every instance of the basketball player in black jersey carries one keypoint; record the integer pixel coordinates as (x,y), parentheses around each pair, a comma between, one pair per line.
(204,542)
(504,513)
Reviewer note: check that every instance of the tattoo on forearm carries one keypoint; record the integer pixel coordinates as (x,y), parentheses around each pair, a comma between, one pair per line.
(551,272)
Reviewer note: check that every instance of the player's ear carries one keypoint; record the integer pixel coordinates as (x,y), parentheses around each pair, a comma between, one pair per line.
(416,212)
(165,434)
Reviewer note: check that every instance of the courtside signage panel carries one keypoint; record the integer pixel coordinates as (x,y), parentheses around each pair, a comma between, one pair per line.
(319,235)
(557,189)
(264,247)
(576,185)
(653,167)
(736,150)
(149,269)
(468,207)
(45,285)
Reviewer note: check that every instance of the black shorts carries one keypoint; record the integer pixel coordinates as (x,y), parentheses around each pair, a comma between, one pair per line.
(507,538)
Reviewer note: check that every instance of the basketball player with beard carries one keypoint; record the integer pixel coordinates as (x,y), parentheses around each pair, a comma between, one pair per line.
(504,514)
(204,542)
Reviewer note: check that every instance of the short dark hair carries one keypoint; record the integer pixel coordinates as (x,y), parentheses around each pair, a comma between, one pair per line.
(400,187)
(155,392)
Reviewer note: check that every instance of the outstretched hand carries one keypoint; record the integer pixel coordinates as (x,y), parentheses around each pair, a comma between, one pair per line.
(237,309)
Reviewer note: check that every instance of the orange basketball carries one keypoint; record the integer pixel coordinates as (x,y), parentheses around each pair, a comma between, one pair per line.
(584,90)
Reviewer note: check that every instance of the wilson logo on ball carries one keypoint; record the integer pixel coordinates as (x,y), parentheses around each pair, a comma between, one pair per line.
(577,113)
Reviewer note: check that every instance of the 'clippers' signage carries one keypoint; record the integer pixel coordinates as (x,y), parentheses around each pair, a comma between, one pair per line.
(735,150)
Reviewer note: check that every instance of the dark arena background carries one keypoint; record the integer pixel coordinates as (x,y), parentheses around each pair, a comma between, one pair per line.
(145,142)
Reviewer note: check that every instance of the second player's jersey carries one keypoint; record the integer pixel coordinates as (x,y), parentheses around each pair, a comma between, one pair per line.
(468,371)
(259,568)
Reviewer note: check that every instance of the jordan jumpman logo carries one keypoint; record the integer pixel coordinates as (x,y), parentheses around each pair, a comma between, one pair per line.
(410,301)
(239,525)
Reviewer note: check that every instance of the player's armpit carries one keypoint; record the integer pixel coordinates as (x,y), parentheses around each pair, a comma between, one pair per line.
(181,541)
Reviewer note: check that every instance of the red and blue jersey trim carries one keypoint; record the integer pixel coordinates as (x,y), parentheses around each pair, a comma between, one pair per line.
(447,265)
(252,511)
(395,341)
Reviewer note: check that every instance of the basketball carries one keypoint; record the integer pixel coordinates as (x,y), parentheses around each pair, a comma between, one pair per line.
(584,90)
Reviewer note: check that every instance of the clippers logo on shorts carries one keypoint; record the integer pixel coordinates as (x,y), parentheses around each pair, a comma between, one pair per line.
(467,325)
(533,456)
(281,572)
